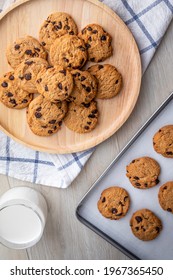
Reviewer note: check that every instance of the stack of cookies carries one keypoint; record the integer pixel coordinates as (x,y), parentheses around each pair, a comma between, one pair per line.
(53,68)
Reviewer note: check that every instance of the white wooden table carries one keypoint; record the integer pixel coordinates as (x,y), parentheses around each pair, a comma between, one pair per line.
(65,237)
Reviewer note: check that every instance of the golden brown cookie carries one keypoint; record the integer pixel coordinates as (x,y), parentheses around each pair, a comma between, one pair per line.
(24,48)
(68,51)
(85,87)
(109,80)
(27,73)
(114,203)
(145,225)
(55,83)
(57,24)
(143,172)
(82,119)
(165,196)
(11,95)
(163,141)
(97,41)
(44,117)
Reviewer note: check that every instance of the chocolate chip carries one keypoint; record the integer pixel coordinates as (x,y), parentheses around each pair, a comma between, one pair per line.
(38,115)
(165,188)
(55,127)
(29,62)
(46,88)
(88,89)
(83,78)
(158,229)
(82,61)
(133,161)
(100,67)
(104,199)
(53,22)
(136,178)
(37,49)
(28,76)
(116,82)
(92,116)
(59,85)
(39,80)
(43,44)
(82,48)
(160,130)
(66,59)
(86,105)
(66,89)
(50,131)
(44,126)
(60,123)
(38,109)
(169,153)
(95,31)
(86,127)
(87,45)
(92,59)
(154,143)
(4,84)
(136,228)
(17,47)
(29,52)
(125,198)
(63,72)
(157,181)
(114,210)
(77,74)
(11,77)
(67,27)
(89,123)
(24,101)
(59,25)
(169,209)
(71,33)
(137,184)
(94,111)
(9,94)
(49,66)
(13,101)
(90,39)
(103,38)
(146,185)
(138,219)
(52,121)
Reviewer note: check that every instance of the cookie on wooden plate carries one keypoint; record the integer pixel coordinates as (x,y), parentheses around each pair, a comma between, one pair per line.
(163,141)
(22,49)
(109,80)
(44,117)
(143,172)
(145,225)
(56,25)
(114,203)
(11,94)
(97,41)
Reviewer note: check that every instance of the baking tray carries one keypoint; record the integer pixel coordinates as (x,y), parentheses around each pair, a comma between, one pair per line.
(118,233)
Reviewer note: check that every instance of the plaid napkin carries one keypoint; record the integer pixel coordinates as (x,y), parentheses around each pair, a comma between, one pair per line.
(148,21)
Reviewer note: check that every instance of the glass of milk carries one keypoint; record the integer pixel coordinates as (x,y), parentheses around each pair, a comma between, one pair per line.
(23,213)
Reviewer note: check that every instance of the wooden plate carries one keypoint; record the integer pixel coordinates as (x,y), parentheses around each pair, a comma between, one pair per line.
(25,17)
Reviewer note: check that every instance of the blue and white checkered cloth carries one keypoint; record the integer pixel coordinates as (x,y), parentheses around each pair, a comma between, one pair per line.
(148,21)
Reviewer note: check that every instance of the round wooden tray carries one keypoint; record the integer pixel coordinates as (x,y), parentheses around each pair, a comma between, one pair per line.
(24,18)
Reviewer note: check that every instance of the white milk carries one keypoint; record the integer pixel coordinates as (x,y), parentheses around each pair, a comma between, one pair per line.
(20,224)
(23,213)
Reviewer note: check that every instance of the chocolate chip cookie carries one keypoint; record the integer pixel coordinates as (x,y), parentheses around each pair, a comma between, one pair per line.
(24,48)
(163,141)
(109,80)
(145,225)
(27,73)
(68,51)
(44,117)
(57,24)
(114,203)
(143,172)
(11,95)
(82,119)
(97,41)
(85,87)
(165,196)
(55,83)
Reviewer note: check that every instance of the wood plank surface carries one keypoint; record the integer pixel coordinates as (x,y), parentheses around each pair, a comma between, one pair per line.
(113,112)
(65,237)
